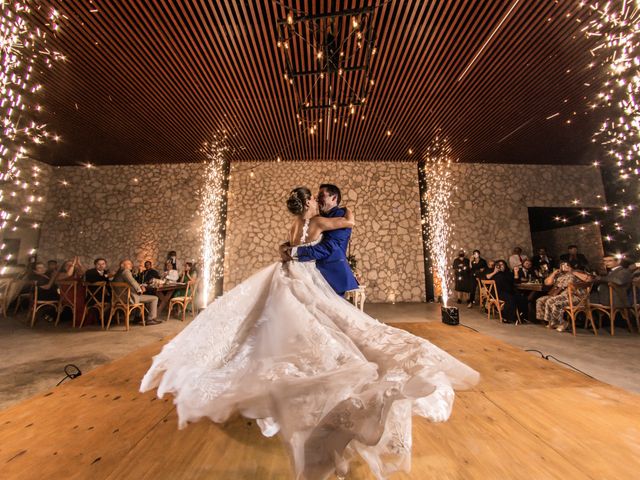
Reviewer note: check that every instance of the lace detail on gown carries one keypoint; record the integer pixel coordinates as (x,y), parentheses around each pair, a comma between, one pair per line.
(284,349)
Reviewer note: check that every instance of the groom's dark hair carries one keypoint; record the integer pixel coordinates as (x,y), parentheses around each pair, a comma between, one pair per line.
(333,190)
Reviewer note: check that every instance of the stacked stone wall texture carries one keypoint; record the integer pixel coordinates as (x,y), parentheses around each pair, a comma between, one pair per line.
(385,197)
(141,212)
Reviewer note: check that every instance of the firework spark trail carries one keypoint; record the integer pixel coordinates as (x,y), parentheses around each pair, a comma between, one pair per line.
(616,27)
(23,50)
(212,205)
(437,172)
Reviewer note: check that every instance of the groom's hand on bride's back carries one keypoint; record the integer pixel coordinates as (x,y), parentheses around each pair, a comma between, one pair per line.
(285,252)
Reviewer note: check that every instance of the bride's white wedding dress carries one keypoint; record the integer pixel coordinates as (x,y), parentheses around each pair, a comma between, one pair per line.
(284,349)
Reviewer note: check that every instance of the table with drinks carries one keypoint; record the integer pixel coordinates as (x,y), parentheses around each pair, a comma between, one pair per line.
(164,292)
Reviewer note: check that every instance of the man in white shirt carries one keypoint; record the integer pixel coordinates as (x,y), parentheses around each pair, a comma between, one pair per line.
(517,258)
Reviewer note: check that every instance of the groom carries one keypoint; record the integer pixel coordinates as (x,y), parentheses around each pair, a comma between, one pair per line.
(331,253)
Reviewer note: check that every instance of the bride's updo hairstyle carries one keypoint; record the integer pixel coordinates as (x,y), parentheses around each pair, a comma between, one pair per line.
(297,201)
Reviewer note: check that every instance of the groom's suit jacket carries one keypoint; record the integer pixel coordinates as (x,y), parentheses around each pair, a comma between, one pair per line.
(331,256)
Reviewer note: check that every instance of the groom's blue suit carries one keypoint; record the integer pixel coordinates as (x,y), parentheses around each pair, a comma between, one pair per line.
(331,256)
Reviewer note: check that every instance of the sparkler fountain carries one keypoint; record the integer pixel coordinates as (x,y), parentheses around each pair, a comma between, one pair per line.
(213,208)
(436,224)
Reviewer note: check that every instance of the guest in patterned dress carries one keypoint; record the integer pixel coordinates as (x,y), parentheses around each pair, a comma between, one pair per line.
(550,307)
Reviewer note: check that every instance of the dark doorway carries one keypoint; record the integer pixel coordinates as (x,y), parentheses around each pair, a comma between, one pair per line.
(555,228)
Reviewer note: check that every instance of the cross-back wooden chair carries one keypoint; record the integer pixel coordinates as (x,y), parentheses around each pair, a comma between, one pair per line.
(493,301)
(38,304)
(482,293)
(121,301)
(68,299)
(22,296)
(184,301)
(611,311)
(5,284)
(635,286)
(96,300)
(577,305)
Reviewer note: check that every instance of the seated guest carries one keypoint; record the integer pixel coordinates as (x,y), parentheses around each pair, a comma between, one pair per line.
(525,272)
(170,273)
(507,292)
(52,268)
(516,259)
(47,289)
(188,274)
(490,267)
(99,273)
(617,275)
(72,270)
(550,308)
(138,291)
(149,273)
(542,262)
(577,260)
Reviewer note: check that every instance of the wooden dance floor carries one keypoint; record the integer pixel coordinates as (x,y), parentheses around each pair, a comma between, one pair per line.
(527,419)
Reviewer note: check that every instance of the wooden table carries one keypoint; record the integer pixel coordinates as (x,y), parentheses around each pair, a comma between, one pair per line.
(533,287)
(165,292)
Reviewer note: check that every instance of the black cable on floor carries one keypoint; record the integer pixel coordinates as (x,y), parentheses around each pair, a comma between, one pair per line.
(470,328)
(547,357)
(71,371)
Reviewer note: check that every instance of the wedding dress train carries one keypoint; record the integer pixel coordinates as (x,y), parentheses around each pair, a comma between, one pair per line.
(284,349)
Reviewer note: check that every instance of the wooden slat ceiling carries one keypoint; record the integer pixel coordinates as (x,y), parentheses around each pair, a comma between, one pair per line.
(149,81)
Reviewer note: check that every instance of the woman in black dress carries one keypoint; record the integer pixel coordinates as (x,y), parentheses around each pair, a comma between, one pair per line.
(462,272)
(478,270)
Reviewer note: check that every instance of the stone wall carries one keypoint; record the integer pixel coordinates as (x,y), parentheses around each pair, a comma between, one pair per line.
(386,241)
(490,202)
(143,211)
(25,198)
(123,211)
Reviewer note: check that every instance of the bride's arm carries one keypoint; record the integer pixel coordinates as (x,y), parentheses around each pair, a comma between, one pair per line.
(336,223)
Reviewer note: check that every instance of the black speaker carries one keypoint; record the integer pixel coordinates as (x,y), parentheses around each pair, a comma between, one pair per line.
(450,315)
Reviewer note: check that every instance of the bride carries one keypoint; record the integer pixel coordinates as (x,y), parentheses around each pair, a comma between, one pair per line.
(283,348)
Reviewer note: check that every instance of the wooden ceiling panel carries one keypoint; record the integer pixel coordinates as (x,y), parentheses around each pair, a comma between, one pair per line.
(150,82)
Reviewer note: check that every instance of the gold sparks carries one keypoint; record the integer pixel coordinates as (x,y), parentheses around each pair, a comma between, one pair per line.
(437,198)
(616,27)
(24,49)
(212,208)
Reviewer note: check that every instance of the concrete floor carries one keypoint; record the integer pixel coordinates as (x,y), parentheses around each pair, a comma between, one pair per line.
(33,360)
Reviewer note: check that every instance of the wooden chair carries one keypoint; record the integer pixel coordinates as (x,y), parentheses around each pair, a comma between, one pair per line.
(635,286)
(493,301)
(68,299)
(96,294)
(482,291)
(184,301)
(121,302)
(5,283)
(38,304)
(582,306)
(610,310)
(21,297)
